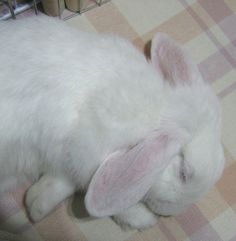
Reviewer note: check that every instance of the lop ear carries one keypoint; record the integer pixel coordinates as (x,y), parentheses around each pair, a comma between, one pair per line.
(126,175)
(172,62)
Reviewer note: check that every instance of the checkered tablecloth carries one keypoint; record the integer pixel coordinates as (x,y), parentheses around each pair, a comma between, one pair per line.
(207,28)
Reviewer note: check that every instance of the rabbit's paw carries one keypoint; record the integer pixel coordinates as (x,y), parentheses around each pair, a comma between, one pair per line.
(137,217)
(45,195)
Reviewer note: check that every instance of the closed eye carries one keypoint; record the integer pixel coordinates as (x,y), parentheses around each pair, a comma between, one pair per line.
(185,171)
(182,173)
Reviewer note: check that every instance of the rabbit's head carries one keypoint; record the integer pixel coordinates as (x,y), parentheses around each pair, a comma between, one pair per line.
(194,108)
(174,164)
(190,174)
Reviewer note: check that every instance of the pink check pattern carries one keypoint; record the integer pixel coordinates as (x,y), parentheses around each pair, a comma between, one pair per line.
(207,28)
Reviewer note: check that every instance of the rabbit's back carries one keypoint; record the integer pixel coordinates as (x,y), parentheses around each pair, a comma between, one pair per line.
(56,82)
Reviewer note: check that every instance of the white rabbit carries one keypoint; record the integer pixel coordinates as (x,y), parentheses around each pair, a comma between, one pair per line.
(88,111)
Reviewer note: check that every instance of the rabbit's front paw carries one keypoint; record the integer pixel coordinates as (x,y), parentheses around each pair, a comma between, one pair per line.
(45,195)
(138,217)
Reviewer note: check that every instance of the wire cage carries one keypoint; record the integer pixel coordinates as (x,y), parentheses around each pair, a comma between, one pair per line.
(80,6)
(83,5)
(71,7)
(10,8)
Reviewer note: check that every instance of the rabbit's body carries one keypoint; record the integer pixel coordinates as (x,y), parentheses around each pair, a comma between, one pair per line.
(63,93)
(73,104)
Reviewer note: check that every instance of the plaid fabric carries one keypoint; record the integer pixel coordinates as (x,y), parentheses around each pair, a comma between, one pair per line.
(207,28)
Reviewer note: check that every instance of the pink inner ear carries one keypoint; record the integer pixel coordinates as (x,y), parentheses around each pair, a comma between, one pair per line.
(126,175)
(172,62)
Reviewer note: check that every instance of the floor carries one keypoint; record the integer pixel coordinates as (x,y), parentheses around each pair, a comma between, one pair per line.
(206,28)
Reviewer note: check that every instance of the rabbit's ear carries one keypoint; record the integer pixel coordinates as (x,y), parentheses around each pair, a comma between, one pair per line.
(126,175)
(173,62)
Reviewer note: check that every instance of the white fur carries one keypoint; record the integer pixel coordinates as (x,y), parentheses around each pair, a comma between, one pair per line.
(69,98)
(137,216)
(45,194)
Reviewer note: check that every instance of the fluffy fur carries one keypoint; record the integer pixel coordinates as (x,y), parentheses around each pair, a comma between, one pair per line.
(69,100)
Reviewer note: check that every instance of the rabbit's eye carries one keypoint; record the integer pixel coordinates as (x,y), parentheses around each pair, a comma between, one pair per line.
(185,172)
(182,174)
